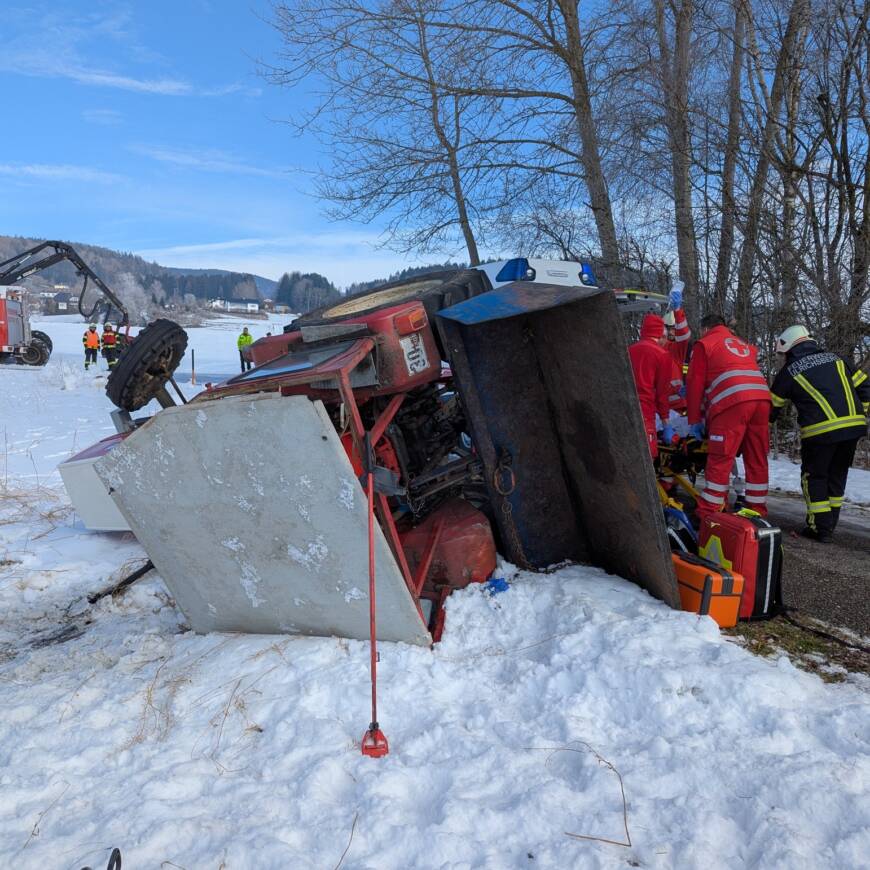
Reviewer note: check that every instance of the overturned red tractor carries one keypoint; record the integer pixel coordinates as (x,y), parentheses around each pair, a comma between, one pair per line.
(489,419)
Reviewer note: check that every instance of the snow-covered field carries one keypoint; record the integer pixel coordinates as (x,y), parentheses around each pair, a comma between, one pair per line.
(511,741)
(786,475)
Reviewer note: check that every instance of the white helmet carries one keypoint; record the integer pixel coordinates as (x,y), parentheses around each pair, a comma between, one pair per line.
(109,326)
(792,336)
(669,319)
(92,326)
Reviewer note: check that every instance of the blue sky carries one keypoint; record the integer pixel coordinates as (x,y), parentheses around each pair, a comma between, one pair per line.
(145,127)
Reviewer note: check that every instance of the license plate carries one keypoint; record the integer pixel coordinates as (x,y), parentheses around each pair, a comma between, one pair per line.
(415,353)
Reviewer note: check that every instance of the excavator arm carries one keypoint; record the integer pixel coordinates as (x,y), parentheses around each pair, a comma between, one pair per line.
(48,254)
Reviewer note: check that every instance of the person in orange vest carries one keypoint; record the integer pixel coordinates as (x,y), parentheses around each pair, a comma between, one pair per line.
(724,374)
(651,366)
(91,344)
(110,345)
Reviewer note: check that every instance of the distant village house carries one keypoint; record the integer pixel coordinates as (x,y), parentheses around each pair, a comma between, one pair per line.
(245,306)
(60,303)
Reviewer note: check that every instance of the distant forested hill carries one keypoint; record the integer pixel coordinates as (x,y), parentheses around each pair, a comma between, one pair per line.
(131,276)
(305,291)
(410,272)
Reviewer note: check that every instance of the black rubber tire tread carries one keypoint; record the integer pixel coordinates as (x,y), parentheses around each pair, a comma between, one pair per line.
(43,346)
(451,287)
(35,333)
(146,365)
(35,354)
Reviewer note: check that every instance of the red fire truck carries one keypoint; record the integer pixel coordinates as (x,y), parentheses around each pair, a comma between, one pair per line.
(18,342)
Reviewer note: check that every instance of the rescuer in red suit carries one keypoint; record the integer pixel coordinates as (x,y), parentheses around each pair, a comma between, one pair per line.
(724,376)
(678,334)
(651,365)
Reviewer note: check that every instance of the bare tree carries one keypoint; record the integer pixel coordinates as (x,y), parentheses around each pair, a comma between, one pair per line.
(674,75)
(404,144)
(771,109)
(729,167)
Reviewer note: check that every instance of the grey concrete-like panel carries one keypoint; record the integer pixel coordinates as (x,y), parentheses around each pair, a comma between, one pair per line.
(251,512)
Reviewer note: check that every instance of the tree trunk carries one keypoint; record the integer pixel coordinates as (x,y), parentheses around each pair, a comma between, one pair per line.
(729,167)
(596,183)
(675,90)
(785,314)
(790,47)
(448,146)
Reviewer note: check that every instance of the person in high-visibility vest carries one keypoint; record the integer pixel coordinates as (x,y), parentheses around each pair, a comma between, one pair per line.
(91,344)
(724,377)
(832,400)
(244,340)
(110,345)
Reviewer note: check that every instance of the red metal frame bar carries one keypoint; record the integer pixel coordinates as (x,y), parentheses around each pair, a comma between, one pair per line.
(386,417)
(358,433)
(334,367)
(428,554)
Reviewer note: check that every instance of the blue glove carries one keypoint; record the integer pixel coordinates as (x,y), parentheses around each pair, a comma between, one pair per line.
(675,297)
(696,430)
(668,435)
(495,585)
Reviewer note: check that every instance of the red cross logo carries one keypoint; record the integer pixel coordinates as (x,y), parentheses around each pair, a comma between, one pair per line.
(736,346)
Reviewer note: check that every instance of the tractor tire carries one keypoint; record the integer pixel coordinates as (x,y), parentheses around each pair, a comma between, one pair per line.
(436,290)
(36,353)
(35,333)
(146,365)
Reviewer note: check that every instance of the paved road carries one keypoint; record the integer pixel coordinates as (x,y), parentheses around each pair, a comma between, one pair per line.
(828,581)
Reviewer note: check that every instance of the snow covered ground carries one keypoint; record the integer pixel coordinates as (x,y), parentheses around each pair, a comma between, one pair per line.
(49,413)
(511,741)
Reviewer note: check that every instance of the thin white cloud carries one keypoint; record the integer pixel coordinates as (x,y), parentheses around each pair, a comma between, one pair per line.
(49,48)
(206,161)
(344,257)
(58,172)
(235,88)
(167,87)
(44,63)
(104,117)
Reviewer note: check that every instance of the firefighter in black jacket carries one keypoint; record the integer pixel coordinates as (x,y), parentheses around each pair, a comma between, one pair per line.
(831,399)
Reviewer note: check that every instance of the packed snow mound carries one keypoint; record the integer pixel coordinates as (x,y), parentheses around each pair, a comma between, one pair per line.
(122,728)
(134,732)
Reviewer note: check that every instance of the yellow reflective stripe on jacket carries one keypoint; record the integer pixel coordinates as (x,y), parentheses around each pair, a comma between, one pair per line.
(847,387)
(837,501)
(858,378)
(833,425)
(778,401)
(822,402)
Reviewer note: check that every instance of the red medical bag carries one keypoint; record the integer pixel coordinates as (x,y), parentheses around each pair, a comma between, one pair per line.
(747,544)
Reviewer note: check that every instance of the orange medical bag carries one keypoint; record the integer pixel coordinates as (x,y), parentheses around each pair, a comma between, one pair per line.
(708,589)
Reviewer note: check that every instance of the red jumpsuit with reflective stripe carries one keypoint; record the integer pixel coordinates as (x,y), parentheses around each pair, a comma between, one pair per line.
(678,348)
(724,372)
(651,366)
